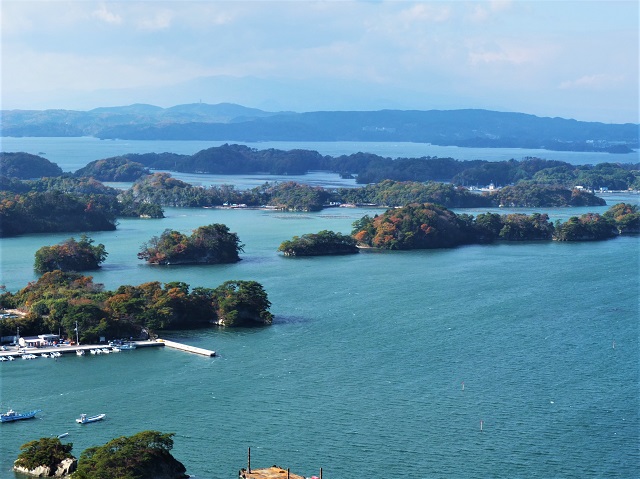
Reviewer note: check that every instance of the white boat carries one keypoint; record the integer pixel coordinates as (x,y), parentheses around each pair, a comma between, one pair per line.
(2,358)
(115,349)
(79,352)
(105,351)
(65,434)
(84,419)
(126,346)
(11,358)
(45,355)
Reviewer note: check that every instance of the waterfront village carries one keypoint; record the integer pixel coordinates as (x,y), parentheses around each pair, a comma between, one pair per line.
(54,345)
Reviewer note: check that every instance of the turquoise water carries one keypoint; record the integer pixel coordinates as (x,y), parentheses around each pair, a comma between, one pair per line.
(362,371)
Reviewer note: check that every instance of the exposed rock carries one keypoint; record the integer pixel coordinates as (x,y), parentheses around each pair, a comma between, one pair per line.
(66,467)
(63,469)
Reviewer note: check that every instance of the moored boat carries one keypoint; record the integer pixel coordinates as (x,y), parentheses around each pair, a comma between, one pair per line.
(11,415)
(84,419)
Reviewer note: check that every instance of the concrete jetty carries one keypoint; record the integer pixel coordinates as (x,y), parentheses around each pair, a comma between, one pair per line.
(16,352)
(186,347)
(273,472)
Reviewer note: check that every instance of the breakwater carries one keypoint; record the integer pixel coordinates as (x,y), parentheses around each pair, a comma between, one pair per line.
(18,353)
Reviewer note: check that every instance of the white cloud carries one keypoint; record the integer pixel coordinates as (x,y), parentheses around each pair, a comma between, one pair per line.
(161,20)
(506,54)
(600,81)
(107,16)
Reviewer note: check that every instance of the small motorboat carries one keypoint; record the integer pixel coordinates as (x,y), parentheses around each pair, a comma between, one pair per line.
(65,434)
(11,415)
(84,419)
(80,352)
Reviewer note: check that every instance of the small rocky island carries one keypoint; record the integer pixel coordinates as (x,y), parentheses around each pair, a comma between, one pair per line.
(147,455)
(46,457)
(212,244)
(319,244)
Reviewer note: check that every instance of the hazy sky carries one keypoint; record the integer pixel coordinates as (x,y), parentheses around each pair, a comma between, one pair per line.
(573,59)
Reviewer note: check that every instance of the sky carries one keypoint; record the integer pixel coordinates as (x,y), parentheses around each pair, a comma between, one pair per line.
(570,59)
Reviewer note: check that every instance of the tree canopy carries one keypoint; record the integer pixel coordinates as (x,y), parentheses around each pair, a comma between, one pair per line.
(25,166)
(317,244)
(46,451)
(145,455)
(70,255)
(59,300)
(211,244)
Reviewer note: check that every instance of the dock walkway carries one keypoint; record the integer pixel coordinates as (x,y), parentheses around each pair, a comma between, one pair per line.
(186,347)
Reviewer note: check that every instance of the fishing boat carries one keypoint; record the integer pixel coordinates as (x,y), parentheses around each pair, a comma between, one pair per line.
(80,352)
(84,419)
(127,346)
(11,415)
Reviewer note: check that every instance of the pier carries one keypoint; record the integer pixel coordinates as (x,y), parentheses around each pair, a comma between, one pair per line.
(17,352)
(186,347)
(273,472)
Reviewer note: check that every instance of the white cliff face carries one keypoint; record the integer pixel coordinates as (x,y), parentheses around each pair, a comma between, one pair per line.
(64,469)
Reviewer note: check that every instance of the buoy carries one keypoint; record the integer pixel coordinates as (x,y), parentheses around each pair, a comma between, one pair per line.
(481,424)
(463,385)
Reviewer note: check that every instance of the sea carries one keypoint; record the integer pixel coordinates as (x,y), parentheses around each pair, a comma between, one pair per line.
(500,361)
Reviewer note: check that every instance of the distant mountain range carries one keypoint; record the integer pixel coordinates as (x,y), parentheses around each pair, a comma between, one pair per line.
(227,121)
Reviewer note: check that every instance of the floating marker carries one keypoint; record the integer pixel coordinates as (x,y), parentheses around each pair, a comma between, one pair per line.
(481,424)
(463,385)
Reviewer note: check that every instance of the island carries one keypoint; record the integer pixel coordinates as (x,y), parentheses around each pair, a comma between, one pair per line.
(46,457)
(113,169)
(323,243)
(25,165)
(65,301)
(70,255)
(587,227)
(426,226)
(145,455)
(212,244)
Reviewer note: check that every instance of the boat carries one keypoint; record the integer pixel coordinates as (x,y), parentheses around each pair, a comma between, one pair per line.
(11,415)
(126,346)
(80,352)
(65,434)
(84,419)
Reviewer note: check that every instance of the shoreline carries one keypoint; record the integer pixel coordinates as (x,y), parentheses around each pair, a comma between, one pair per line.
(69,349)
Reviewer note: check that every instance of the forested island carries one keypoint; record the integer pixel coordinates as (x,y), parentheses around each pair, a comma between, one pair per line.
(211,244)
(57,300)
(70,255)
(426,226)
(73,202)
(319,244)
(145,455)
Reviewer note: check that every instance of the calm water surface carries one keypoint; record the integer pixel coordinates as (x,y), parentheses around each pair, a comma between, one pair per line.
(362,371)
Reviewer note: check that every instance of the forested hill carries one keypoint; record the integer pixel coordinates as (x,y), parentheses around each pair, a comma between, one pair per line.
(470,128)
